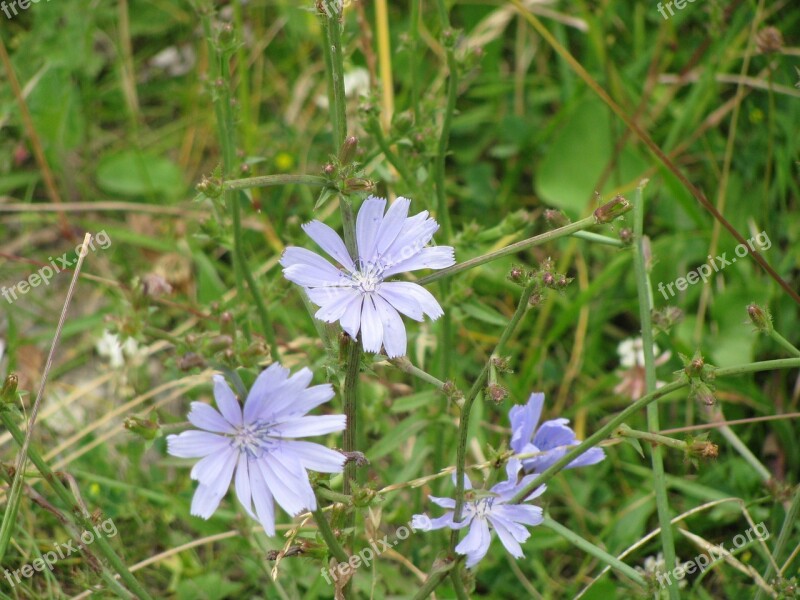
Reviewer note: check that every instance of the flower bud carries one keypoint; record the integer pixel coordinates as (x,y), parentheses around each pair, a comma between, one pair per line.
(496,393)
(701,393)
(611,210)
(626,235)
(9,392)
(760,317)
(148,429)
(703,449)
(348,150)
(556,218)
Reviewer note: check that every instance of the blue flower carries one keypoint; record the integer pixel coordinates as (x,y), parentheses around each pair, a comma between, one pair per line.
(260,445)
(553,439)
(357,295)
(485,509)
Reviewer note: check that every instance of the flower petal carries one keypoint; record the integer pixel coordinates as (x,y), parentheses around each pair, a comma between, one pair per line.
(371,327)
(351,319)
(266,381)
(262,499)
(242,485)
(368,222)
(507,538)
(308,269)
(227,402)
(435,257)
(315,457)
(312,397)
(205,501)
(393,222)
(443,502)
(417,293)
(336,304)
(408,305)
(330,241)
(476,543)
(288,482)
(309,426)
(394,332)
(196,444)
(215,470)
(524,420)
(206,417)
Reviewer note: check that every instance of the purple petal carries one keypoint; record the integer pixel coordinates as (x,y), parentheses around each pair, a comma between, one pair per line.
(337,304)
(227,402)
(417,231)
(507,538)
(315,457)
(443,502)
(520,513)
(330,241)
(288,483)
(205,501)
(206,417)
(309,426)
(419,294)
(242,485)
(394,332)
(312,397)
(351,319)
(393,222)
(267,381)
(371,327)
(467,482)
(368,222)
(553,434)
(262,499)
(216,470)
(436,257)
(196,444)
(524,420)
(401,301)
(308,269)
(476,543)
(281,400)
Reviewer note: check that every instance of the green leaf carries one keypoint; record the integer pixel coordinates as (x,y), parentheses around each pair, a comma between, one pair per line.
(139,174)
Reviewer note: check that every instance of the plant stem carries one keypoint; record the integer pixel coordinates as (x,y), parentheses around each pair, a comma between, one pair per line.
(273,180)
(632,409)
(444,138)
(653,438)
(335,63)
(787,345)
(83,520)
(789,522)
(738,445)
(227,135)
(512,249)
(433,580)
(330,539)
(477,386)
(405,365)
(590,236)
(591,549)
(645,309)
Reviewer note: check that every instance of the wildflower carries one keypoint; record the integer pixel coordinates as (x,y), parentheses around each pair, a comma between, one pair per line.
(631,357)
(654,569)
(260,445)
(486,509)
(109,347)
(552,439)
(358,295)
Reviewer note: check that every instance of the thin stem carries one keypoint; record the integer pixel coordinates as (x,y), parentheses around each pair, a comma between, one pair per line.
(327,535)
(458,585)
(591,549)
(273,180)
(405,365)
(413,35)
(632,409)
(590,236)
(83,519)
(653,438)
(512,249)
(335,62)
(787,345)
(645,308)
(745,452)
(433,581)
(444,138)
(789,522)
(463,425)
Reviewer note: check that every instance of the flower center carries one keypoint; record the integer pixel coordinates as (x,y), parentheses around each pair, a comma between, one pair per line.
(253,439)
(368,277)
(483,507)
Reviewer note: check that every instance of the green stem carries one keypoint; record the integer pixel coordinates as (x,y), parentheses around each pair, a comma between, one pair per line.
(588,547)
(443,213)
(335,62)
(635,407)
(273,180)
(458,585)
(83,520)
(590,236)
(433,580)
(787,529)
(463,425)
(645,309)
(751,459)
(653,438)
(536,240)
(327,535)
(405,365)
(413,35)
(787,345)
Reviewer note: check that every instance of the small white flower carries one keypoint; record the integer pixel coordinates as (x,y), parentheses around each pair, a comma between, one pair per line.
(108,346)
